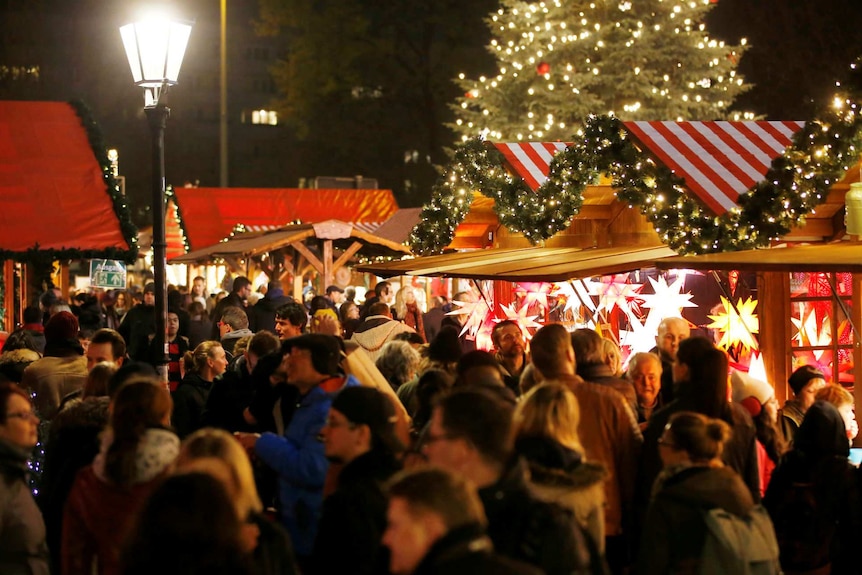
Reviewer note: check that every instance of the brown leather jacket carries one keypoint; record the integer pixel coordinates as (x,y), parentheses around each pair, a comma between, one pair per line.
(610,436)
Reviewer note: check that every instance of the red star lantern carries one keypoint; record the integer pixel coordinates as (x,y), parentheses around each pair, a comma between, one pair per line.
(543,68)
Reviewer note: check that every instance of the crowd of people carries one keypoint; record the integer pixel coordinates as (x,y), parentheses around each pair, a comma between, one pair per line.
(333,436)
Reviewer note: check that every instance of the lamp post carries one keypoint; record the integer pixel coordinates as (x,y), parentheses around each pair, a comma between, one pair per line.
(155,49)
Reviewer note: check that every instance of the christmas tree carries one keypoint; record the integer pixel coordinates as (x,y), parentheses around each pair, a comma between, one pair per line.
(559,61)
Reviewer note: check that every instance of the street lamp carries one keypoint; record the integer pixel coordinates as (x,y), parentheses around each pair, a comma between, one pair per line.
(155,49)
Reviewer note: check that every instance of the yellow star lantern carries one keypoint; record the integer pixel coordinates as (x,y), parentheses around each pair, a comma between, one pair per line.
(737,329)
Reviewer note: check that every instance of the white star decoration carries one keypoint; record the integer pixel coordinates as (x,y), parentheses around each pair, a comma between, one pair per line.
(475,312)
(523,320)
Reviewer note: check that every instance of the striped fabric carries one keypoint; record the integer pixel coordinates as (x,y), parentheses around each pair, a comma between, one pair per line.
(367,227)
(531,160)
(718,160)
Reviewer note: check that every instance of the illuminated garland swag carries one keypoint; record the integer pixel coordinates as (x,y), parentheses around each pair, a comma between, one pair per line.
(794,185)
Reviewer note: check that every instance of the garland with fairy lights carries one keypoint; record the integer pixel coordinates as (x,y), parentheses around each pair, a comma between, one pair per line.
(171,196)
(793,186)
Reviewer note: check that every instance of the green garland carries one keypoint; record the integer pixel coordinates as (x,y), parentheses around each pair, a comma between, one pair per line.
(171,195)
(795,184)
(121,208)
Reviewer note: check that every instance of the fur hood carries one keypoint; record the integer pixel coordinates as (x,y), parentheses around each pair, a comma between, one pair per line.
(157,449)
(19,356)
(89,412)
(583,476)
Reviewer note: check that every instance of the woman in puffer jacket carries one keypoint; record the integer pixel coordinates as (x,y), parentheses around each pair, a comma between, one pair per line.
(545,430)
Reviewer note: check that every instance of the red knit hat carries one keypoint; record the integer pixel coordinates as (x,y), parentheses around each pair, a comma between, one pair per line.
(62,326)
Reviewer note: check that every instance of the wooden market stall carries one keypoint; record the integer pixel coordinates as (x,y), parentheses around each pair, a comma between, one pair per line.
(58,199)
(291,251)
(690,186)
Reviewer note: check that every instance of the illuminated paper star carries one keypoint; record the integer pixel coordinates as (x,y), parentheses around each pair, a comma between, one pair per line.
(736,329)
(520,316)
(576,294)
(616,292)
(639,338)
(475,312)
(666,301)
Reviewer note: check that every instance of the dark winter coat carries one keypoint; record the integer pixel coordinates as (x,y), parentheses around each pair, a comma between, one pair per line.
(190,398)
(230,395)
(354,518)
(274,552)
(528,529)
(559,475)
(262,315)
(71,446)
(789,419)
(674,530)
(740,452)
(136,328)
(819,456)
(468,551)
(22,532)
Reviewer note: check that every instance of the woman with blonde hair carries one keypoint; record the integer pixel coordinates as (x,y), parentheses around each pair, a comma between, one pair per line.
(546,435)
(407,311)
(202,366)
(137,450)
(217,453)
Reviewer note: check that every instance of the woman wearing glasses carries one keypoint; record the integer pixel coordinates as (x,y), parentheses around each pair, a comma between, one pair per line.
(22,531)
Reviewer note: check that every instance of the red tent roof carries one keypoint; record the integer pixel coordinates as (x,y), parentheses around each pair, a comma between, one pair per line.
(53,193)
(208,215)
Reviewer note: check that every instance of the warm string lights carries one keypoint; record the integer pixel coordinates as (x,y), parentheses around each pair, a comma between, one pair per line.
(561,61)
(797,182)
(171,201)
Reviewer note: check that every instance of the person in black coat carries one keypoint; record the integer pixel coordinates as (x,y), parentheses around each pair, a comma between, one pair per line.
(139,324)
(233,392)
(701,374)
(202,365)
(436,525)
(262,315)
(236,298)
(360,434)
(813,497)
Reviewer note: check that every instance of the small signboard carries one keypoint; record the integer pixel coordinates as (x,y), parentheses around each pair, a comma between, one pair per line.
(109,274)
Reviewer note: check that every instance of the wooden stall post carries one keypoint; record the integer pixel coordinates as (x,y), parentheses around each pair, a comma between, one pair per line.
(775,325)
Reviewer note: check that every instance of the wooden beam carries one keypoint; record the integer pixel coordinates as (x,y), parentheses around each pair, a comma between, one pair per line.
(297,277)
(775,329)
(309,256)
(9,295)
(327,264)
(345,257)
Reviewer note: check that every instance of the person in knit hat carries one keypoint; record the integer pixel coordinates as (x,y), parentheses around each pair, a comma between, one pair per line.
(758,398)
(61,371)
(805,382)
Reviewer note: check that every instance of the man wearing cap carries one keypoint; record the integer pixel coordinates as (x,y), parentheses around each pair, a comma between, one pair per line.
(312,364)
(359,434)
(262,315)
(805,382)
(139,324)
(61,371)
(335,295)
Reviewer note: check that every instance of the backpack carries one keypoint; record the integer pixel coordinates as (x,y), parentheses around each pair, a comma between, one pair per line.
(737,545)
(803,531)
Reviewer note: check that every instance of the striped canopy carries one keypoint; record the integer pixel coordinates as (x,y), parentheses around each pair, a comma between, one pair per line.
(719,161)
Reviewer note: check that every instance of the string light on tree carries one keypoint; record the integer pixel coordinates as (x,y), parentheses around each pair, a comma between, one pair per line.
(640,60)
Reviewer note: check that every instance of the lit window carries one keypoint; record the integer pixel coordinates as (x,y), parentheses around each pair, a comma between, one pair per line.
(268,117)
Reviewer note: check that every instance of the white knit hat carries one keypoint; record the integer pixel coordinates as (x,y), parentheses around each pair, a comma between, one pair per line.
(745,387)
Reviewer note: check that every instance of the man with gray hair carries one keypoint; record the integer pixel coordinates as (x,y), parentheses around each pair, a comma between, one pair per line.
(671,331)
(232,326)
(645,374)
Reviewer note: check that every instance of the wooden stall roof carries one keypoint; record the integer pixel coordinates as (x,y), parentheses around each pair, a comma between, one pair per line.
(836,257)
(208,215)
(53,194)
(526,264)
(256,243)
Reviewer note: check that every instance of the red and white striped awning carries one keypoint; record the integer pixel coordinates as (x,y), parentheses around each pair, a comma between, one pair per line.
(718,160)
(531,160)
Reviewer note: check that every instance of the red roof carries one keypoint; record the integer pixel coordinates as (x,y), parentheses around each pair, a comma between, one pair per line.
(52,190)
(208,215)
(719,161)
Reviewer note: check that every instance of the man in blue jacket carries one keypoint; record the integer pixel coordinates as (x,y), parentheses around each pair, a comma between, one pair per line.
(312,364)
